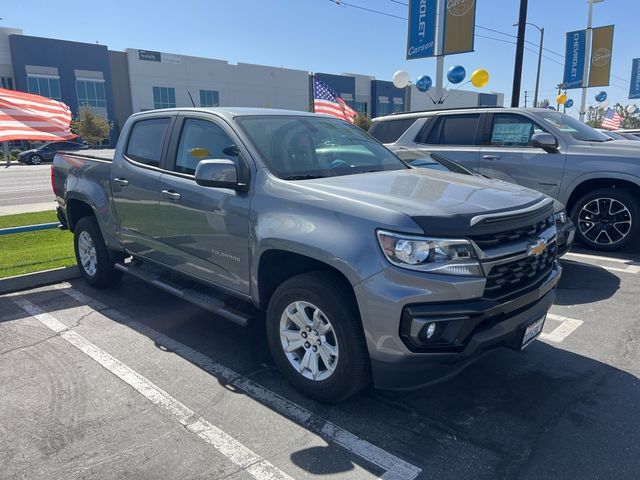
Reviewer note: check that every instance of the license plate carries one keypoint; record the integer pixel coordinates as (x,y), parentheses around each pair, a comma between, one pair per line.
(532,331)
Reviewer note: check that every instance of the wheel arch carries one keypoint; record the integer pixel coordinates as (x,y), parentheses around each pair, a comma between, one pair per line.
(77,209)
(596,183)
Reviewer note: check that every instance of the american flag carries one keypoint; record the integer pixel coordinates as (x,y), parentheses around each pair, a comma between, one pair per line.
(327,101)
(611,120)
(24,116)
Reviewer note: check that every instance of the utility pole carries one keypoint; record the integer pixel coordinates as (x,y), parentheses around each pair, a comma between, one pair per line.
(587,59)
(517,68)
(541,30)
(526,93)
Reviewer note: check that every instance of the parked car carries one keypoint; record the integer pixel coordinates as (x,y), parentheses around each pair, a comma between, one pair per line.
(597,178)
(616,135)
(46,152)
(362,264)
(422,158)
(630,133)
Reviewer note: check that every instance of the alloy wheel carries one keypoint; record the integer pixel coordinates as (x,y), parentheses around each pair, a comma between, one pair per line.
(87,253)
(604,221)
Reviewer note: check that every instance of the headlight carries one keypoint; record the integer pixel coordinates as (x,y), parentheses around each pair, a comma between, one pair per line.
(560,217)
(435,255)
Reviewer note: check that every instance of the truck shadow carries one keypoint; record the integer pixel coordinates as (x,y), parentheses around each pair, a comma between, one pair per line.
(584,283)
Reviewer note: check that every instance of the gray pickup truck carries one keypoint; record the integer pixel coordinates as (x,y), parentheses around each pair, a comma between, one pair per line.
(362,267)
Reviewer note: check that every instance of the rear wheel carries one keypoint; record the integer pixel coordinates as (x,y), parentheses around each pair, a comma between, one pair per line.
(35,159)
(94,260)
(315,336)
(607,218)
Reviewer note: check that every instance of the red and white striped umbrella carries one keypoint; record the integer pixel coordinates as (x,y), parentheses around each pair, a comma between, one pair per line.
(24,116)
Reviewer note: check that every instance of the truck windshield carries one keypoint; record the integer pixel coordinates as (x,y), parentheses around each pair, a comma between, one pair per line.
(301,147)
(574,127)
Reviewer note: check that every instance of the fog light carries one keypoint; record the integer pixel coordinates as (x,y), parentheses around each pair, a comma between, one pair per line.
(431,329)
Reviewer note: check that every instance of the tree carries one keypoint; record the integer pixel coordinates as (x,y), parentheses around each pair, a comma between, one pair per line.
(595,116)
(93,128)
(363,122)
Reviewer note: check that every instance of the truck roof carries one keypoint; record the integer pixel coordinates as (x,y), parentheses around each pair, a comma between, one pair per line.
(232,112)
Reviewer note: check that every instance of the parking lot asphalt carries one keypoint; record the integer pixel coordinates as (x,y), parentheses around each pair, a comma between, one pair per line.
(134,383)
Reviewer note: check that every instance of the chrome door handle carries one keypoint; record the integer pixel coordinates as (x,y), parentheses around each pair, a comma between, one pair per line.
(491,157)
(121,181)
(171,195)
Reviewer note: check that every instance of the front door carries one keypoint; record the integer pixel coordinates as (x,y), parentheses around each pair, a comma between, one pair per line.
(205,230)
(508,154)
(135,185)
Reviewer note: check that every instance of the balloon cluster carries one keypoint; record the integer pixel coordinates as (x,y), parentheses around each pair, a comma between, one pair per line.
(456,74)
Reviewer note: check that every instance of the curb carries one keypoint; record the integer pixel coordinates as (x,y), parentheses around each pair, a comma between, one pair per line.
(37,279)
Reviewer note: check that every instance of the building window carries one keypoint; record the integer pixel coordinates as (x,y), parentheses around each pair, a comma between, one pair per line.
(361,107)
(398,104)
(164,97)
(46,86)
(7,82)
(209,98)
(91,93)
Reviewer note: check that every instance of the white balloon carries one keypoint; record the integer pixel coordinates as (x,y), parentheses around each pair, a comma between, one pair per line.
(401,79)
(631,109)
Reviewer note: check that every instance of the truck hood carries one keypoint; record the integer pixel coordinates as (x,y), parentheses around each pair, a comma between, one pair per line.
(429,196)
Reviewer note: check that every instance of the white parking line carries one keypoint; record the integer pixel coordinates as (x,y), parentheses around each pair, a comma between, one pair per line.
(632,267)
(252,463)
(395,468)
(562,331)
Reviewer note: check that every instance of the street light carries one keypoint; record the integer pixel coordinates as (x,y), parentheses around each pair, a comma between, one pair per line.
(535,95)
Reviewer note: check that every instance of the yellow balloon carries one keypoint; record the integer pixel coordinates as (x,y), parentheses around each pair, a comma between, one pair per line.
(561,99)
(480,78)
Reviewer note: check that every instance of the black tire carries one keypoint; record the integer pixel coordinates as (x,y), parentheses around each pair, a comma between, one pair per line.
(607,232)
(332,295)
(104,275)
(35,160)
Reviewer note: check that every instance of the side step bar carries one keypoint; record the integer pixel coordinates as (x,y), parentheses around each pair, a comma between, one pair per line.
(208,301)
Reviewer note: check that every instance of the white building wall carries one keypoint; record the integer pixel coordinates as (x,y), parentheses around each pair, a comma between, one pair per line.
(453,99)
(363,89)
(6,68)
(238,85)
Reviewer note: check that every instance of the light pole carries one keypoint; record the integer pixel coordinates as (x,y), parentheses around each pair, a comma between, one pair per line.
(535,95)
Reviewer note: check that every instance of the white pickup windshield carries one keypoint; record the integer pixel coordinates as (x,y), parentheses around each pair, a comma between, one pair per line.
(299,147)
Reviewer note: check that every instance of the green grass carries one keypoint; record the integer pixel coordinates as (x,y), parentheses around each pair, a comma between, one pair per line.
(29,252)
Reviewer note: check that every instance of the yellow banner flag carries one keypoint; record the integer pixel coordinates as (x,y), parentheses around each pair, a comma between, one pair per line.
(601,48)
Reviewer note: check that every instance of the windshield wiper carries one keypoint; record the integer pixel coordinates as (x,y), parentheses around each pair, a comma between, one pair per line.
(302,177)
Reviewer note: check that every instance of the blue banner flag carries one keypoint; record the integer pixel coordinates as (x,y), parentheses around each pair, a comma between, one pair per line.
(574,59)
(421,34)
(634,90)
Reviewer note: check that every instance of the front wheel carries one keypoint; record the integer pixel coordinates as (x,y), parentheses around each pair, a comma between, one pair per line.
(35,160)
(607,218)
(92,255)
(315,336)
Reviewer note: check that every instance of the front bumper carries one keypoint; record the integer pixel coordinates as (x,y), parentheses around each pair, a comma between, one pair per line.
(566,234)
(487,324)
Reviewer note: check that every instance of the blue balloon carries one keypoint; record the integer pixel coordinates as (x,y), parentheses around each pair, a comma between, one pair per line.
(456,74)
(568,103)
(424,83)
(637,110)
(601,96)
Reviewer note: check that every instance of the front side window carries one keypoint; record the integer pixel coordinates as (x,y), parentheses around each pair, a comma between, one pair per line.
(164,97)
(91,93)
(299,147)
(512,130)
(146,140)
(455,130)
(201,140)
(45,86)
(209,98)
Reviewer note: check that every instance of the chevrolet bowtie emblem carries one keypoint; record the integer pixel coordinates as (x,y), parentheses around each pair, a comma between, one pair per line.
(537,248)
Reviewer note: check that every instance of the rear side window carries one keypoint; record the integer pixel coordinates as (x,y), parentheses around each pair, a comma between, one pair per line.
(146,140)
(454,130)
(389,131)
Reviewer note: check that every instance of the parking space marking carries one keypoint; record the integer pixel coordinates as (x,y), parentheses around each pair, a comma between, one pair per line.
(632,267)
(252,463)
(562,331)
(394,467)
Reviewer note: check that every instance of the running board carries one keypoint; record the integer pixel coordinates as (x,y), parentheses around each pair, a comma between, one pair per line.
(209,301)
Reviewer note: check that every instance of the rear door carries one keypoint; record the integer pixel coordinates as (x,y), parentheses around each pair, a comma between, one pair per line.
(455,136)
(135,184)
(507,154)
(205,230)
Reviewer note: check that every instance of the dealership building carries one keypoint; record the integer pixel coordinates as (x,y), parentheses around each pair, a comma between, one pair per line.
(115,84)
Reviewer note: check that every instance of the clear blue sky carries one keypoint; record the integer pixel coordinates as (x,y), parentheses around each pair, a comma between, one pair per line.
(318,35)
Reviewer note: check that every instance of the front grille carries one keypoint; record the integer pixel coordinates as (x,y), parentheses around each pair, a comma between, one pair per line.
(511,277)
(508,236)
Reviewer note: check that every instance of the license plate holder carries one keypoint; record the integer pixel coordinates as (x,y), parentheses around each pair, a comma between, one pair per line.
(532,331)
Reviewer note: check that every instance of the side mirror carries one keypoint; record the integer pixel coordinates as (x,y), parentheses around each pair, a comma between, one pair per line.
(218,173)
(546,141)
